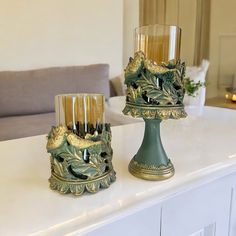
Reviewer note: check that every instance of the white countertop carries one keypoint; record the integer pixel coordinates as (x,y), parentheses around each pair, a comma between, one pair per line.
(114,114)
(202,148)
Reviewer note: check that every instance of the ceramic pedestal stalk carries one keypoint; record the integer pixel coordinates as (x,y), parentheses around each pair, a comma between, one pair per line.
(151,161)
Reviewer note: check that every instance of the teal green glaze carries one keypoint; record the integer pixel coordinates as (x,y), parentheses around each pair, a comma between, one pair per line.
(151,151)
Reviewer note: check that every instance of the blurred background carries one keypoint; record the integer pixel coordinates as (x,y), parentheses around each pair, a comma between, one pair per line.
(36,34)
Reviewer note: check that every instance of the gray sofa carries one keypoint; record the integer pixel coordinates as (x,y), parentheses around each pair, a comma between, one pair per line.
(27,97)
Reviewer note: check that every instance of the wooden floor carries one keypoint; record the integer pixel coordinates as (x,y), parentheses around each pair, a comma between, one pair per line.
(220,102)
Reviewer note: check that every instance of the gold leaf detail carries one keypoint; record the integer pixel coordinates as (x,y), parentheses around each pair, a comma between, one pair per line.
(81,143)
(134,63)
(156,69)
(56,137)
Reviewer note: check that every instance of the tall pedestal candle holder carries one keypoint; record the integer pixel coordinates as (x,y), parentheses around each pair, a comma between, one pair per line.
(155,91)
(80,145)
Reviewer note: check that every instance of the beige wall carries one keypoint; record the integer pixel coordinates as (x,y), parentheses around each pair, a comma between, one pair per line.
(42,33)
(222,45)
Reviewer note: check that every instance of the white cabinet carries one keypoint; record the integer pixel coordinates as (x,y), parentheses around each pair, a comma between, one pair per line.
(208,210)
(144,222)
(199,200)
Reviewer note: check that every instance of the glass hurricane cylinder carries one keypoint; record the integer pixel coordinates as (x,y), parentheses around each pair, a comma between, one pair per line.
(81,113)
(160,43)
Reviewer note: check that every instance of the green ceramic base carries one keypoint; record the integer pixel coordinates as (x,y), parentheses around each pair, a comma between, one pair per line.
(151,161)
(79,187)
(151,172)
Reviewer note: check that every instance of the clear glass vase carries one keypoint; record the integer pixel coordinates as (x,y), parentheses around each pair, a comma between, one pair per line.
(160,43)
(81,113)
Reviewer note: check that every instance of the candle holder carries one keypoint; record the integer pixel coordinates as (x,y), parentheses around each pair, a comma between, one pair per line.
(231,91)
(231,95)
(80,145)
(155,91)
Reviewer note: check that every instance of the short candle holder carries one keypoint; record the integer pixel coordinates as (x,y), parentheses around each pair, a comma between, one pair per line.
(155,91)
(80,145)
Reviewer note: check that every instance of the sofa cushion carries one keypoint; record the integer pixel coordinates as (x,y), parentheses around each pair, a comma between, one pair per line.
(33,91)
(23,126)
(13,127)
